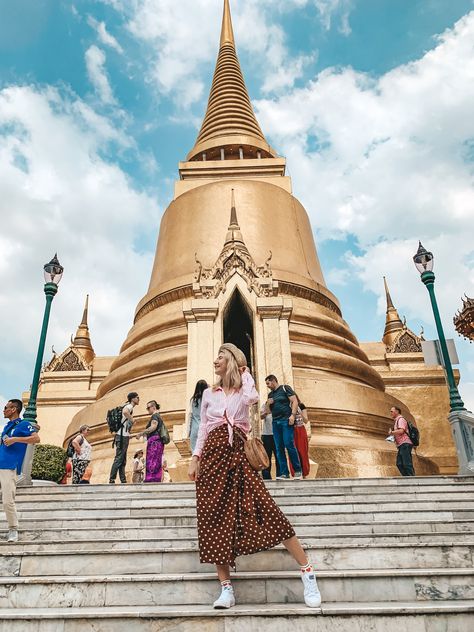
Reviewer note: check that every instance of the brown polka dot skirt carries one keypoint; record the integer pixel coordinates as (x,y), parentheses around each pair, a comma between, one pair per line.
(235,513)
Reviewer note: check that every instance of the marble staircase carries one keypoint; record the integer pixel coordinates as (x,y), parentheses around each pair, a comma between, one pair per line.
(389,553)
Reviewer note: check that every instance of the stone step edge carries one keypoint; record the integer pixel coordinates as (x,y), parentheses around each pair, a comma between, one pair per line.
(189,549)
(273,610)
(283,501)
(180,526)
(103,492)
(244,575)
(375,480)
(440,536)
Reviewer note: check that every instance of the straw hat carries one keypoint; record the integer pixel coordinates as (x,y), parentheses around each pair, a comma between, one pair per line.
(236,352)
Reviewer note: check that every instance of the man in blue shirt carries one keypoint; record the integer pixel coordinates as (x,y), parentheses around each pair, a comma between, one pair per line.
(16,436)
(283,405)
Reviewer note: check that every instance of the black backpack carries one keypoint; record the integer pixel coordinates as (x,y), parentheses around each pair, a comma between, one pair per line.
(114,419)
(414,434)
(70,448)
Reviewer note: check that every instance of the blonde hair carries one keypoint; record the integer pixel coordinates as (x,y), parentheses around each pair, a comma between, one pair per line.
(235,359)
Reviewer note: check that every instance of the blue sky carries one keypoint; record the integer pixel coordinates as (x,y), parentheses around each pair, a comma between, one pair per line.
(369,100)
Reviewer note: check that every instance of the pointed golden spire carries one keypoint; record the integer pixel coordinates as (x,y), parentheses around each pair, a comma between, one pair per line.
(227,32)
(82,339)
(230,129)
(393,322)
(233,232)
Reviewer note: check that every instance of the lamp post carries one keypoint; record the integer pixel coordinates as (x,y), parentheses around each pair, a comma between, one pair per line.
(462,422)
(424,262)
(53,271)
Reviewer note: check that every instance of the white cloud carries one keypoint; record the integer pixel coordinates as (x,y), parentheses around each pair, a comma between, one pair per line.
(105,37)
(181,40)
(95,64)
(389,160)
(328,9)
(59,193)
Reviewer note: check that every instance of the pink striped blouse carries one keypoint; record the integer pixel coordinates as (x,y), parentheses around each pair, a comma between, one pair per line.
(215,403)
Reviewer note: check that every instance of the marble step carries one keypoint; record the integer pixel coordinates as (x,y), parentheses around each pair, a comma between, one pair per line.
(186,559)
(430,616)
(137,519)
(288,505)
(103,493)
(334,529)
(250,588)
(394,502)
(398,481)
(158,542)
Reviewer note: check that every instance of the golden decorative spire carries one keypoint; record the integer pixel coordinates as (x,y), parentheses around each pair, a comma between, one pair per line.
(227,32)
(393,322)
(233,232)
(230,129)
(82,339)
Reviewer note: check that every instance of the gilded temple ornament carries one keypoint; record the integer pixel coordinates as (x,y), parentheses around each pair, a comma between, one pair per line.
(464,319)
(234,259)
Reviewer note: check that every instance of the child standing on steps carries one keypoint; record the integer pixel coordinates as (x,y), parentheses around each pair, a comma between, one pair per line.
(236,514)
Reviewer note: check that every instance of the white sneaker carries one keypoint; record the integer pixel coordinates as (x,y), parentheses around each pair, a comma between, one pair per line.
(226,600)
(297,476)
(12,535)
(312,596)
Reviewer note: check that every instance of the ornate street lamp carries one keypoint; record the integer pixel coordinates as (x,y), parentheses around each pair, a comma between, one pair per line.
(461,420)
(424,262)
(53,271)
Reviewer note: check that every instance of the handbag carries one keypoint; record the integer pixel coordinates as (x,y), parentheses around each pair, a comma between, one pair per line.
(256,454)
(254,451)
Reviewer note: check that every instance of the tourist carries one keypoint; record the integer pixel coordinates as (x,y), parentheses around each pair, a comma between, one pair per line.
(403,442)
(138,467)
(268,441)
(82,455)
(122,439)
(154,444)
(16,436)
(301,438)
(235,513)
(283,404)
(195,412)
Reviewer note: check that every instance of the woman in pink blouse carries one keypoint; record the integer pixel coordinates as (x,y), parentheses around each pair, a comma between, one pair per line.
(236,514)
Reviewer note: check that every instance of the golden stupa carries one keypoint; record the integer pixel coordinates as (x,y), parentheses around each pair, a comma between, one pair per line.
(236,261)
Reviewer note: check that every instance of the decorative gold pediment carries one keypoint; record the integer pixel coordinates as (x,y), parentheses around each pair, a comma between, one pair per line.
(70,360)
(406,342)
(234,259)
(210,282)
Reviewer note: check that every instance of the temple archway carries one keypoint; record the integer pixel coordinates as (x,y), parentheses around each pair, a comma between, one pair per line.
(238,326)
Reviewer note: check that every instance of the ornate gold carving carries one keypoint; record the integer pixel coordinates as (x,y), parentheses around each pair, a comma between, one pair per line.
(68,361)
(464,319)
(234,258)
(406,342)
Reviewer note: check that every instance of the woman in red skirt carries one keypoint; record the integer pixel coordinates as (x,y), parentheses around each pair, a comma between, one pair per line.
(236,514)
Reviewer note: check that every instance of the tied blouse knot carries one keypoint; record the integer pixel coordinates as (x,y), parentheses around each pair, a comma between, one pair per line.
(216,405)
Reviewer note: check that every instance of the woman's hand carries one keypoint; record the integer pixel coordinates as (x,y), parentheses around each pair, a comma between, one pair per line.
(194,466)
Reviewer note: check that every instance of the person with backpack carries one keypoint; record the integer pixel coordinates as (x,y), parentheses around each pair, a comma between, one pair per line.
(401,434)
(122,436)
(157,437)
(82,454)
(283,404)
